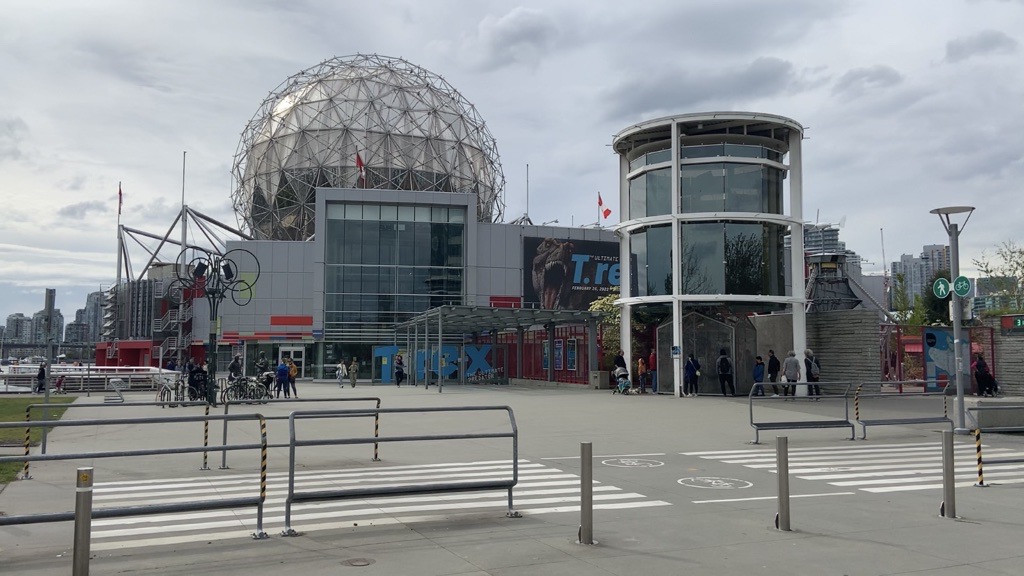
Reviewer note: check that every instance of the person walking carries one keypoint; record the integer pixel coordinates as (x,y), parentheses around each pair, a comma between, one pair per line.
(342,374)
(282,380)
(40,379)
(641,374)
(724,367)
(813,374)
(293,372)
(774,366)
(691,371)
(353,371)
(652,371)
(399,370)
(791,372)
(758,376)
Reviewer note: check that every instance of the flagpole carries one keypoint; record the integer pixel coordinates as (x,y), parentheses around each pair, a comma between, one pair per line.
(599,207)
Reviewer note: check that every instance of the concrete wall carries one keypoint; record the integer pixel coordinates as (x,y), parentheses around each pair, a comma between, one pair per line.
(498,265)
(846,342)
(285,286)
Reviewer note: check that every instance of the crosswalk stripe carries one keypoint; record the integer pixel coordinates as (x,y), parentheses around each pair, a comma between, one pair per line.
(541,489)
(879,469)
(240,534)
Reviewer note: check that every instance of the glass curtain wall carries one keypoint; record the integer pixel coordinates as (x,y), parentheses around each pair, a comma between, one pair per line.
(385,263)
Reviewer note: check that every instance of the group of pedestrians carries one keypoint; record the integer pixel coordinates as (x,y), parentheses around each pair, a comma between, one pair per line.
(785,373)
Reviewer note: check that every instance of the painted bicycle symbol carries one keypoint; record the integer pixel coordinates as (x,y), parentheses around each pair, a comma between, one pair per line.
(632,463)
(714,483)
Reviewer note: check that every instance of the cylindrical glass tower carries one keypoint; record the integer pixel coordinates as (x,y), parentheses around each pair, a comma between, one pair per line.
(704,210)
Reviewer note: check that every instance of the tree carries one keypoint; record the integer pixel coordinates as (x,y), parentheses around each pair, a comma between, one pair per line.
(608,325)
(937,309)
(909,309)
(1005,272)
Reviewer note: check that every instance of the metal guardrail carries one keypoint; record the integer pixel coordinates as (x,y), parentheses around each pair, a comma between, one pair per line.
(229,403)
(902,393)
(122,512)
(339,494)
(803,424)
(65,407)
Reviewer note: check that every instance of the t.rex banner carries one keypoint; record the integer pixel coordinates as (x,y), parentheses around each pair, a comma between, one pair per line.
(568,274)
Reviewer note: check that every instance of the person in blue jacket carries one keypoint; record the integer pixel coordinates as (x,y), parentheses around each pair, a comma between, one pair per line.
(758,376)
(282,380)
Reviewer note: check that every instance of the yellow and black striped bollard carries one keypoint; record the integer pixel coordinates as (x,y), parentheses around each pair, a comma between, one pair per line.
(28,442)
(977,449)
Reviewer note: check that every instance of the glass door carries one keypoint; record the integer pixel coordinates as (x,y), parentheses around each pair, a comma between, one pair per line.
(298,356)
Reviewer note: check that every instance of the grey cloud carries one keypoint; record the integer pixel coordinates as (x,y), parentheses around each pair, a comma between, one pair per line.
(984,42)
(127,64)
(737,26)
(521,36)
(12,132)
(688,88)
(81,210)
(859,81)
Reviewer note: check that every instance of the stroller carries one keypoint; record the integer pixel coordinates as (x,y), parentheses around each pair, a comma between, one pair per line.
(622,382)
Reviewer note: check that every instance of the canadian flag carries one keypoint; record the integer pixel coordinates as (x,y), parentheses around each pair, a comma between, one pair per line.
(605,212)
(362,169)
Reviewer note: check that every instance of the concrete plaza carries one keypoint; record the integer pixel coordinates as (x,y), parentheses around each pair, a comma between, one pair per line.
(679,490)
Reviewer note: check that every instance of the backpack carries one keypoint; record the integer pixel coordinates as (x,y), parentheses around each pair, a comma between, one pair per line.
(724,366)
(815,370)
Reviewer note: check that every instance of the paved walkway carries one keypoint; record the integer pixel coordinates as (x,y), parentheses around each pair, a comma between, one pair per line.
(679,490)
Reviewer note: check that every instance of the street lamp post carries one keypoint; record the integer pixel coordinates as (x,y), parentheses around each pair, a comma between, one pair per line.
(216,276)
(953,230)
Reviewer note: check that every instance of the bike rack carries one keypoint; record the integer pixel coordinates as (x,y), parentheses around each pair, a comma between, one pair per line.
(430,488)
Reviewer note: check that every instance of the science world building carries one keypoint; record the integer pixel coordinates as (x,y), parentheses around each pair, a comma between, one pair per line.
(372,192)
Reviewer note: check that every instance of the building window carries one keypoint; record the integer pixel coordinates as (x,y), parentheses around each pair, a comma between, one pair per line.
(385,263)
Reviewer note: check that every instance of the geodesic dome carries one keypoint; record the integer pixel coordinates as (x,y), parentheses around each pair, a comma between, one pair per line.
(409,127)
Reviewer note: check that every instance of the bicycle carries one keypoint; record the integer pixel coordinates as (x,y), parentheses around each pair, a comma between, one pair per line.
(170,391)
(248,390)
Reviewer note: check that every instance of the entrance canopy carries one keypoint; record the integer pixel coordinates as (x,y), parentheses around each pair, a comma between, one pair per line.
(430,329)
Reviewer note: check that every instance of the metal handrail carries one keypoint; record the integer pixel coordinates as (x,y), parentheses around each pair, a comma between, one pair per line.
(322,495)
(121,512)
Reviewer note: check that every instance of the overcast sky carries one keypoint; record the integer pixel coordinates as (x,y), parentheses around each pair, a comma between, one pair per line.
(908,106)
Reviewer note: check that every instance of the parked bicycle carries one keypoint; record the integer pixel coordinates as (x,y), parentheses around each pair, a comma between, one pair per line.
(245,389)
(170,391)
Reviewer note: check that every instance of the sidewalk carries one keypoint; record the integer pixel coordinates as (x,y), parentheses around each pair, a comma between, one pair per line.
(681,492)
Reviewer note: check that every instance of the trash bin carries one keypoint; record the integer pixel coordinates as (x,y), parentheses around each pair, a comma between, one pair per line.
(601,380)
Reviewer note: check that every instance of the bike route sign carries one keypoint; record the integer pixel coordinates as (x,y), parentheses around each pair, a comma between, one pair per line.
(961,286)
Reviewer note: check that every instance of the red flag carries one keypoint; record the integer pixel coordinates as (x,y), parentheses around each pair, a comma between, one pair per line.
(120,199)
(606,212)
(362,169)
